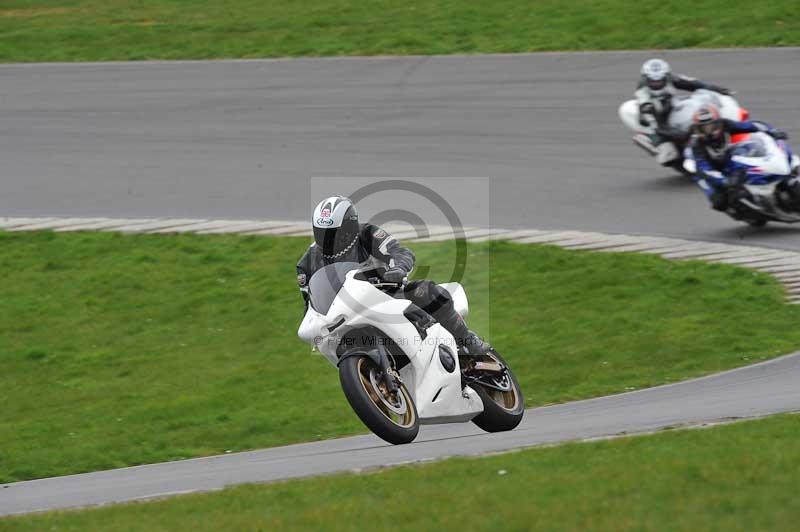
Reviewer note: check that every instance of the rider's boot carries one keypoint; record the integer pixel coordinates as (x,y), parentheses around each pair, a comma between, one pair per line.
(438,303)
(645,142)
(470,346)
(467,342)
(473,345)
(666,152)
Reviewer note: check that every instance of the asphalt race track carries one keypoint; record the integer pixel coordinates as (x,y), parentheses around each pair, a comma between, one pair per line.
(745,392)
(241,139)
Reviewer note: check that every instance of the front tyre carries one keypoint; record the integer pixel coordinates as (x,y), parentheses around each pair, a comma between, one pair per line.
(391,416)
(503,404)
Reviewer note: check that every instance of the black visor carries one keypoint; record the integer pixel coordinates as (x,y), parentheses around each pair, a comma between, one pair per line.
(657,84)
(719,142)
(711,130)
(334,241)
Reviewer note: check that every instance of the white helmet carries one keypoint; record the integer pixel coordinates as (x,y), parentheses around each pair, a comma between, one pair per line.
(656,76)
(336,228)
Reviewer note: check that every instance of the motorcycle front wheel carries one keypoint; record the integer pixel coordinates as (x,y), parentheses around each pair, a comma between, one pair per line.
(391,416)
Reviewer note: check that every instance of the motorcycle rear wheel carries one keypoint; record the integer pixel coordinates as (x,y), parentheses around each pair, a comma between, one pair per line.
(391,416)
(502,408)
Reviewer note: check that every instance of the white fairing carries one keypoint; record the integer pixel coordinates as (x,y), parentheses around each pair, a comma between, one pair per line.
(629,114)
(459,296)
(681,116)
(774,162)
(359,304)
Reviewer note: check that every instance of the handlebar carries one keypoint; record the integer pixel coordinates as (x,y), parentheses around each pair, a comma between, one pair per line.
(377,283)
(373,275)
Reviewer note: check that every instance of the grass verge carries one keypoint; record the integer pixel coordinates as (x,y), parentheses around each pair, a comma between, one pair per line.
(127,349)
(735,477)
(82,30)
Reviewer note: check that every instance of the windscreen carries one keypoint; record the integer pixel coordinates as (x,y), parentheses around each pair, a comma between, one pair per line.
(753,147)
(326,283)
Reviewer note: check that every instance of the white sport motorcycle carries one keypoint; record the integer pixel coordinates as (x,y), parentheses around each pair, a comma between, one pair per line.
(398,367)
(680,119)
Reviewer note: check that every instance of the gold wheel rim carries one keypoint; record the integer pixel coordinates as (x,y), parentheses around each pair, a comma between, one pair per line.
(406,417)
(508,400)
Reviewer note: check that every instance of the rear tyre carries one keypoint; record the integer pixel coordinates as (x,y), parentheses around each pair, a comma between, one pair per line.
(391,416)
(503,403)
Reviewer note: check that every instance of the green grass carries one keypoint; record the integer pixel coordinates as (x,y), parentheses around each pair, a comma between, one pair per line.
(736,477)
(127,349)
(80,30)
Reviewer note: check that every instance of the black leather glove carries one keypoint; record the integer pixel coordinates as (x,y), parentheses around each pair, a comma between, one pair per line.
(778,135)
(395,275)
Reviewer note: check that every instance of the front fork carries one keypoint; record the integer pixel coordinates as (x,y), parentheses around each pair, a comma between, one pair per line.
(390,377)
(380,356)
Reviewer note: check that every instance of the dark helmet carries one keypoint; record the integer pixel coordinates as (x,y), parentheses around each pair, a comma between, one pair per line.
(656,76)
(710,130)
(336,228)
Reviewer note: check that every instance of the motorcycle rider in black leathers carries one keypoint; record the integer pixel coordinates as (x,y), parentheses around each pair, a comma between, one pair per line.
(656,95)
(339,237)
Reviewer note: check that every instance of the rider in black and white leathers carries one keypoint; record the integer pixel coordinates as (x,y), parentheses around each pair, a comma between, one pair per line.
(349,241)
(656,95)
(371,242)
(654,109)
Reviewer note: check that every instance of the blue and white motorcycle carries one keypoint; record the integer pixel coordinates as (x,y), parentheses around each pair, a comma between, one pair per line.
(761,174)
